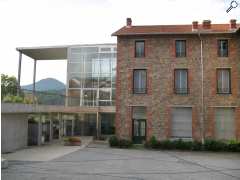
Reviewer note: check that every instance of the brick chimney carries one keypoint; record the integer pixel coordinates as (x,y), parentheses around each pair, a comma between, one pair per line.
(206,24)
(195,25)
(233,24)
(129,22)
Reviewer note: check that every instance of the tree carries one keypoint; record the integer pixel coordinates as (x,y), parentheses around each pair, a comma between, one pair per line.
(9,85)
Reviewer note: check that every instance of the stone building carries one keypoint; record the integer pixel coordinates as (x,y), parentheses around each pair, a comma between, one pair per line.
(178,81)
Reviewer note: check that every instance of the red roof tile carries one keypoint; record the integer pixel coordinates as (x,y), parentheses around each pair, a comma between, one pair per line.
(172,29)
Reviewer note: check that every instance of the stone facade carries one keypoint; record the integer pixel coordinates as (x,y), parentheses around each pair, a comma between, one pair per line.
(160,62)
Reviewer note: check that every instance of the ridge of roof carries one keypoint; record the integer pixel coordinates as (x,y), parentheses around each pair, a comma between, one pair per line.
(173,29)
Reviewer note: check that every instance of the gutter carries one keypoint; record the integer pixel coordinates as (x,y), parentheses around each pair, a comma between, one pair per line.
(202,90)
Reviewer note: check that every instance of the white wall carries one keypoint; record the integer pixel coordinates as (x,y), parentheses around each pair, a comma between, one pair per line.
(14,132)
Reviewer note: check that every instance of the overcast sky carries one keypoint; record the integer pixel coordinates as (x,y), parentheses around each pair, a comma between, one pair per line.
(27,23)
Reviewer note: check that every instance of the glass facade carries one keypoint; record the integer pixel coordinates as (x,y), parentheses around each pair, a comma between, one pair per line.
(91,75)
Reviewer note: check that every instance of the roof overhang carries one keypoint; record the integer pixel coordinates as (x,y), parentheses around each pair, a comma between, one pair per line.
(172,33)
(45,53)
(54,52)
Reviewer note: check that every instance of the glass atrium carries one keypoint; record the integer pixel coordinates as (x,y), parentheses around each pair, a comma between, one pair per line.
(92,75)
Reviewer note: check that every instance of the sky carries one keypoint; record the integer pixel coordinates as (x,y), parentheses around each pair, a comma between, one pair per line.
(29,23)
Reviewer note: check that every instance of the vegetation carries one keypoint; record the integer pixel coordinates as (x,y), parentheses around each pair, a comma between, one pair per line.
(8,85)
(17,99)
(209,145)
(72,141)
(120,143)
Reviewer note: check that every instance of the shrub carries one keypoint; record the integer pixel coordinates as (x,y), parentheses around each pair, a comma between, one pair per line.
(113,141)
(196,146)
(17,99)
(74,139)
(13,99)
(233,146)
(124,143)
(214,145)
(7,99)
(181,145)
(166,144)
(153,142)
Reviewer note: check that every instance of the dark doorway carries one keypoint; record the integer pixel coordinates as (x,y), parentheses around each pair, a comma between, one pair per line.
(55,129)
(32,131)
(139,131)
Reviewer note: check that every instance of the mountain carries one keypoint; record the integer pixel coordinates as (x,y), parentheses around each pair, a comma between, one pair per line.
(48,84)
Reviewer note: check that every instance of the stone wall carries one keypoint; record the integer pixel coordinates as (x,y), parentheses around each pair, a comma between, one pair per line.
(160,62)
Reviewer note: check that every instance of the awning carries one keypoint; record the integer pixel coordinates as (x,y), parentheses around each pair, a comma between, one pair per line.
(45,52)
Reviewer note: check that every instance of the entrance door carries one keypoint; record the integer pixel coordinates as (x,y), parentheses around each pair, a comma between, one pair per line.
(55,129)
(139,131)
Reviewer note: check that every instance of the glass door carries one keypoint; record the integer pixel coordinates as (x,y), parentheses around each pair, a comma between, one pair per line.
(139,131)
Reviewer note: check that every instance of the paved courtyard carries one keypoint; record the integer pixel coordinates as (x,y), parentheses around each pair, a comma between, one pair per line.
(103,163)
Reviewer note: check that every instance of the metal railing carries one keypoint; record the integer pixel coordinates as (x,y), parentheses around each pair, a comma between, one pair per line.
(139,90)
(181,90)
(223,90)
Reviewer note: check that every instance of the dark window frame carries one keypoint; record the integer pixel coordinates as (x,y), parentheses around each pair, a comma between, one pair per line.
(176,54)
(230,83)
(175,88)
(135,49)
(146,89)
(221,54)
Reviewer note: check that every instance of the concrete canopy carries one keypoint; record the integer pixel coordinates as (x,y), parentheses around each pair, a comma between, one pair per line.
(45,52)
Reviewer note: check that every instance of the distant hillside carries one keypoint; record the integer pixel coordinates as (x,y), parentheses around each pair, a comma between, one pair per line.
(48,84)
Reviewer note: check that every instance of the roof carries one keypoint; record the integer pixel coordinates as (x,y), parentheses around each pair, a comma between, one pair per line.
(52,52)
(173,29)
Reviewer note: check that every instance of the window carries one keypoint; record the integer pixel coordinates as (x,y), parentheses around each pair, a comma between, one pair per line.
(223,81)
(139,49)
(140,81)
(223,48)
(181,81)
(180,48)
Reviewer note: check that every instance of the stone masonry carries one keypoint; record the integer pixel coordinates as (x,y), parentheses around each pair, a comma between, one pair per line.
(160,62)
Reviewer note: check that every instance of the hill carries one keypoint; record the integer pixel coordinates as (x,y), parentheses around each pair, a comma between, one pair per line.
(48,84)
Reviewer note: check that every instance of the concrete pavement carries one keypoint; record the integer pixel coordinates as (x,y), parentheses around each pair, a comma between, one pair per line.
(97,163)
(45,152)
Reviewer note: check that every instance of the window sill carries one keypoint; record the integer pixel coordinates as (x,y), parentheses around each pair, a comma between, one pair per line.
(139,94)
(224,93)
(182,94)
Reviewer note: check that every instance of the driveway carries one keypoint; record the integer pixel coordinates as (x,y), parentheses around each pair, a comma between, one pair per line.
(103,163)
(45,152)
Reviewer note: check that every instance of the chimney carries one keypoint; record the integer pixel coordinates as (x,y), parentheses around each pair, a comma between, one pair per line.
(206,24)
(129,22)
(233,24)
(195,25)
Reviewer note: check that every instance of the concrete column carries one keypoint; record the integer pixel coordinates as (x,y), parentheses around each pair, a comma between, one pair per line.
(19,73)
(40,131)
(60,125)
(34,80)
(51,126)
(97,126)
(81,118)
(73,124)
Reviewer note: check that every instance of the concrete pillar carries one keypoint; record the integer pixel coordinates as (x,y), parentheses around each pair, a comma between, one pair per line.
(40,130)
(34,80)
(60,125)
(73,123)
(51,127)
(19,73)
(81,118)
(97,126)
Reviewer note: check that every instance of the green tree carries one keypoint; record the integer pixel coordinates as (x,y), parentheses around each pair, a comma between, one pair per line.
(8,85)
